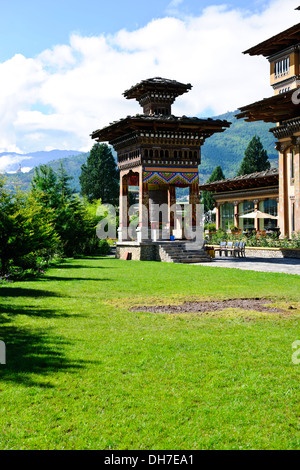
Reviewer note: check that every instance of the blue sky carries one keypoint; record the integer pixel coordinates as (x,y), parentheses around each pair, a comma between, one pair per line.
(30,26)
(65,64)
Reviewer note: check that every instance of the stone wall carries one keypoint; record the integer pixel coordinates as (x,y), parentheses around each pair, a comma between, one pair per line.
(266,252)
(272,252)
(144,252)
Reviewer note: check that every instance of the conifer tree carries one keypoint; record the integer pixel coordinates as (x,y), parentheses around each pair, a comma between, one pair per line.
(256,158)
(99,177)
(207,198)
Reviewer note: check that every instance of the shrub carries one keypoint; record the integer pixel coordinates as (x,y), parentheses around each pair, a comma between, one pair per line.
(103,247)
(210,227)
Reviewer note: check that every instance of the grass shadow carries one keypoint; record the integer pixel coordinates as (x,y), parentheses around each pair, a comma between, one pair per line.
(58,278)
(77,266)
(25,292)
(33,355)
(8,312)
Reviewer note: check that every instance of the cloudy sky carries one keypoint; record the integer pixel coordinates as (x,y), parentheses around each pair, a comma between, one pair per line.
(64,64)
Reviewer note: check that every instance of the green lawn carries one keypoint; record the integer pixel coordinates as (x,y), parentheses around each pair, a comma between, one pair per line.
(85,372)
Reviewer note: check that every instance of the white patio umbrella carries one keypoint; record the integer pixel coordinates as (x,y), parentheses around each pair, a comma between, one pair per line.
(258,215)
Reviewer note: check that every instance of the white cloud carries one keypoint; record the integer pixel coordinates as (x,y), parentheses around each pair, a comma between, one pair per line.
(175,3)
(10,163)
(58,57)
(58,98)
(172,8)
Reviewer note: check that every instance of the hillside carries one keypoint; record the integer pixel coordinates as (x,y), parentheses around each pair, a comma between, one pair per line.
(71,164)
(225,149)
(10,161)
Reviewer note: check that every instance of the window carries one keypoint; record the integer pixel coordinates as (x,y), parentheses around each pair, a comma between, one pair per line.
(284,90)
(270,207)
(293,217)
(293,164)
(227,215)
(244,208)
(282,67)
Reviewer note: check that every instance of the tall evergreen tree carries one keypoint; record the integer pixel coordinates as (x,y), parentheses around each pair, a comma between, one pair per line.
(63,183)
(44,186)
(207,198)
(256,158)
(69,217)
(99,177)
(25,229)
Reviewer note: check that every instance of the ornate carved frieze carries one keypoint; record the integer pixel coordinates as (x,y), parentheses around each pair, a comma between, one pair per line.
(178,176)
(288,129)
(129,164)
(282,147)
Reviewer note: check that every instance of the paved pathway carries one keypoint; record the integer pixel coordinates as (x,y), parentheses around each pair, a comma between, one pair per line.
(274,265)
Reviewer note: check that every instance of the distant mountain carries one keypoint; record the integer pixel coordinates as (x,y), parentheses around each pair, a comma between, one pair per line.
(72,166)
(225,149)
(10,161)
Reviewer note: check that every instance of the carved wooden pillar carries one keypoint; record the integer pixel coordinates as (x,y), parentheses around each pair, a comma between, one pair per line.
(283,192)
(236,213)
(194,200)
(124,208)
(256,208)
(142,231)
(217,215)
(297,186)
(171,204)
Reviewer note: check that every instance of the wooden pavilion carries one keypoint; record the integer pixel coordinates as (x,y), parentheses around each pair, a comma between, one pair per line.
(157,152)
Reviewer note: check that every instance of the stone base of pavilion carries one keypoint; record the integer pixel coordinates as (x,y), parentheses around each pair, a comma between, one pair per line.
(179,251)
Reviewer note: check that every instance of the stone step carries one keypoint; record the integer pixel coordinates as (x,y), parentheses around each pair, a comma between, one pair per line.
(180,252)
(190,260)
(188,254)
(171,249)
(196,259)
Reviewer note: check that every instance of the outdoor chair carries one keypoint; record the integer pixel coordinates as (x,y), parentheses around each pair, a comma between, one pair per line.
(237,249)
(229,248)
(222,248)
(242,249)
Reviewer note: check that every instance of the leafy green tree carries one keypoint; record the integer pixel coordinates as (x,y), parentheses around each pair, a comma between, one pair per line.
(99,177)
(256,158)
(8,206)
(63,184)
(34,233)
(207,198)
(25,229)
(44,186)
(70,219)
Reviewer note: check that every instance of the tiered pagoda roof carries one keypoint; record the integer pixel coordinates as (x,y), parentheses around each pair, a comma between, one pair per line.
(159,123)
(156,84)
(153,94)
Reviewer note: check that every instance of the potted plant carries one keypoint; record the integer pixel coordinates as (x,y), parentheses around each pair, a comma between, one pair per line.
(234,229)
